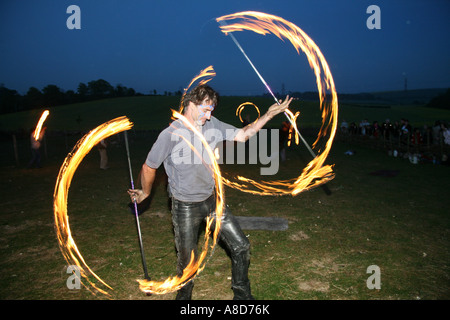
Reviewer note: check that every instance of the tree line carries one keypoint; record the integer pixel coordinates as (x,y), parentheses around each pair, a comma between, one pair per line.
(51,95)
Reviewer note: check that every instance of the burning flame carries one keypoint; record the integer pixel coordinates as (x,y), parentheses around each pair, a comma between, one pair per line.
(67,244)
(37,131)
(195,266)
(315,173)
(293,128)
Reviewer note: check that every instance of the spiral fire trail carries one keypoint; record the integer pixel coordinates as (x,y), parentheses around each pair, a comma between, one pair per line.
(66,242)
(315,173)
(242,106)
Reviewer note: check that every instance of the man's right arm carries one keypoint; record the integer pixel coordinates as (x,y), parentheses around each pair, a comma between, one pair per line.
(248,131)
(148,175)
(147,178)
(159,151)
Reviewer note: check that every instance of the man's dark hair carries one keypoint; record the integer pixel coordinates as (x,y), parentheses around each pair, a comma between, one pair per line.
(198,94)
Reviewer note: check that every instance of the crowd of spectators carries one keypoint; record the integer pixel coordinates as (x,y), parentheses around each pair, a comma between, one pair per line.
(400,129)
(400,136)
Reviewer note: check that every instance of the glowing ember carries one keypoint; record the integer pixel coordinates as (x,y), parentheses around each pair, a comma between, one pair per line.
(195,266)
(315,173)
(67,244)
(37,131)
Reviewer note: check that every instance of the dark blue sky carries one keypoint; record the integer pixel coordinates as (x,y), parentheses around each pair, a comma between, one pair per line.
(163,44)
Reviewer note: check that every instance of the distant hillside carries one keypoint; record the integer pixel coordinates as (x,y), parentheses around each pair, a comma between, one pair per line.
(154,112)
(409,97)
(420,97)
(442,101)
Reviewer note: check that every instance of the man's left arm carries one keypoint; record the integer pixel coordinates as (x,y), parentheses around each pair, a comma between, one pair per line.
(248,131)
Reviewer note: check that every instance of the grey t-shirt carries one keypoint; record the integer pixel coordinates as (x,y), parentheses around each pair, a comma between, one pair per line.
(186,161)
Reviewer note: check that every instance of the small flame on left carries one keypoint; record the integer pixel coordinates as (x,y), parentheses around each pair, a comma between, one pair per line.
(37,131)
(67,244)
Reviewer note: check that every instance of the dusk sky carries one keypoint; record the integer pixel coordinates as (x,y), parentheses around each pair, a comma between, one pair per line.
(161,45)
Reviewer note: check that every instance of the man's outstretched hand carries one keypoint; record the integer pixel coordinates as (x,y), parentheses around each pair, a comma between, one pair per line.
(279,108)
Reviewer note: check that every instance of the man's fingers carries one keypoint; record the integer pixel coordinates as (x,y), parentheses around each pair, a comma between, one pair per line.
(134,194)
(287,102)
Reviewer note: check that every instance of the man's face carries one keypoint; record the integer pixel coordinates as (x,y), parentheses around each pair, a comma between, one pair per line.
(204,111)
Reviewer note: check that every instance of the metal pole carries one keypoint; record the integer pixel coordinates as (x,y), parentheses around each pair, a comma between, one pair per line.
(144,264)
(223,23)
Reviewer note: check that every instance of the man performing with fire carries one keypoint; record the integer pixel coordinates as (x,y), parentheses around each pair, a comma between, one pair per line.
(191,183)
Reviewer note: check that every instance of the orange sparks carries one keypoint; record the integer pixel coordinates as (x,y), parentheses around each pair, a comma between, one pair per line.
(315,173)
(67,244)
(37,131)
(195,266)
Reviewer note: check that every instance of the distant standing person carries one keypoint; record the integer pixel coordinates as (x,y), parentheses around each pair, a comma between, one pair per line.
(35,149)
(284,137)
(101,146)
(445,133)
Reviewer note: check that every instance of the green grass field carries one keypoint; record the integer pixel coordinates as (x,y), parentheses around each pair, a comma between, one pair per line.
(399,223)
(153,112)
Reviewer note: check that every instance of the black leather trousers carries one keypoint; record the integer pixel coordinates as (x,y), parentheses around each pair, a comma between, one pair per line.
(187,218)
